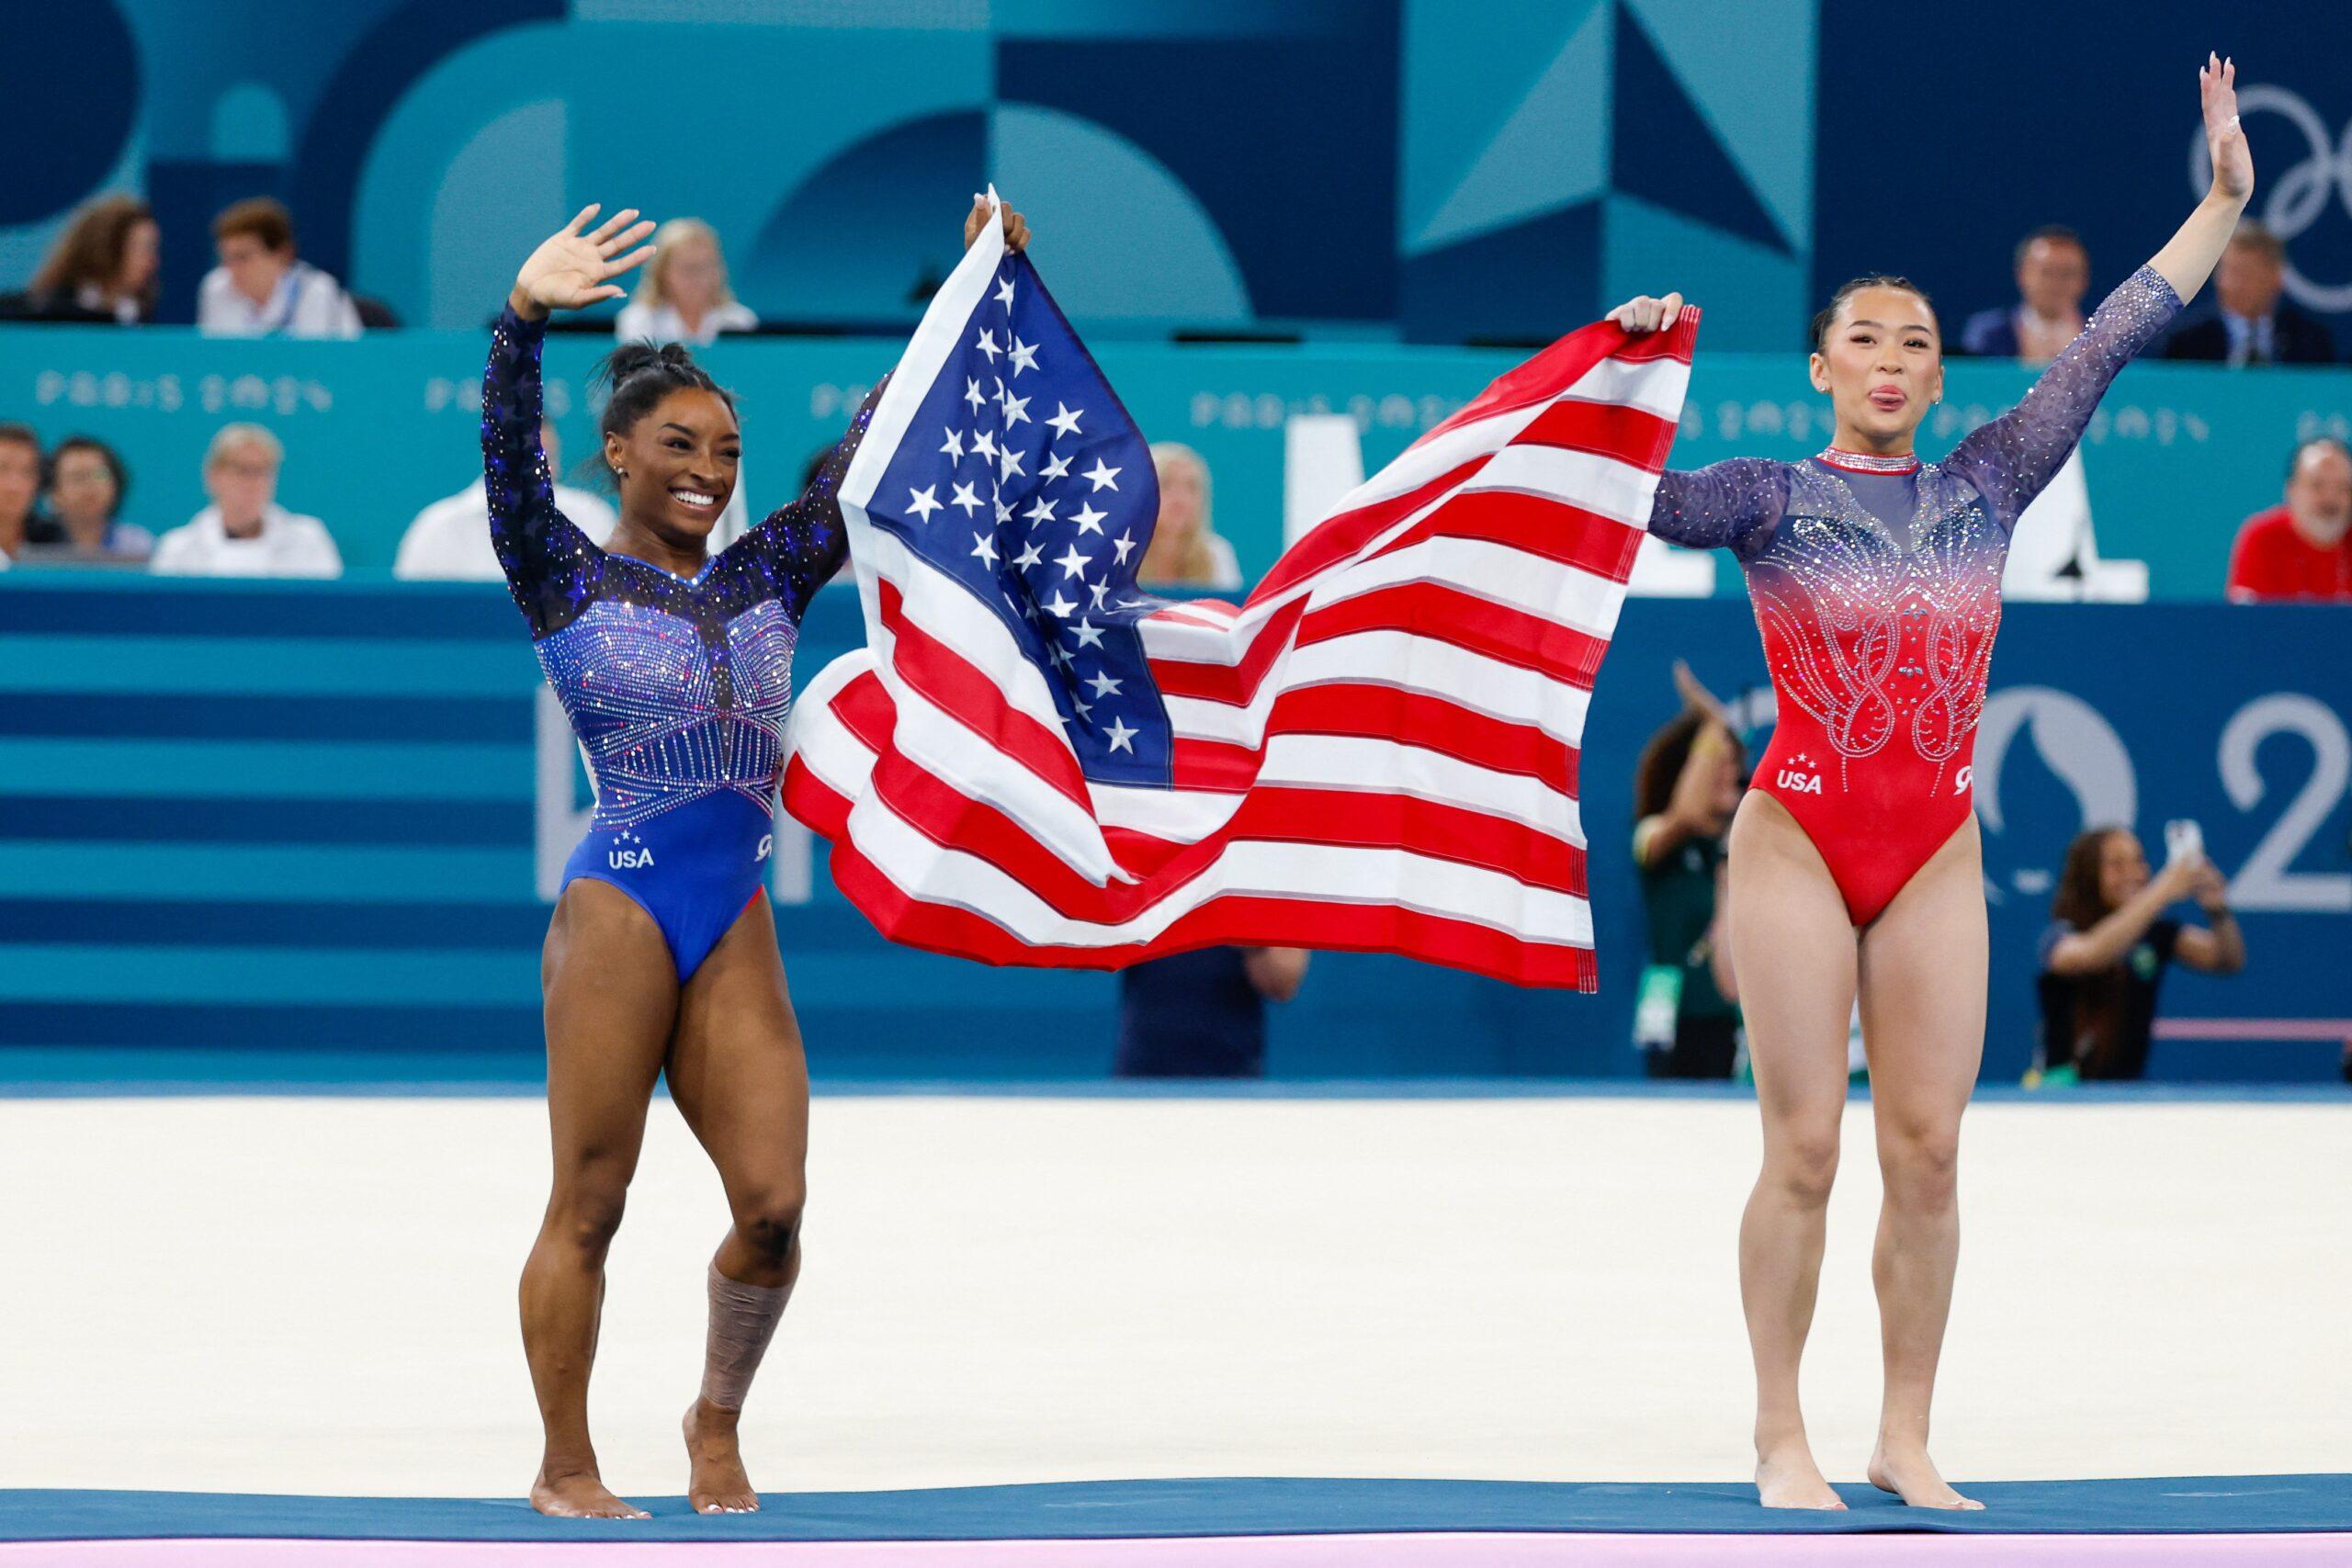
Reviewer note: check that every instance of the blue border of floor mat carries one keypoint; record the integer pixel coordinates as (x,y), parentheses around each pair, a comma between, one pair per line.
(1219,1507)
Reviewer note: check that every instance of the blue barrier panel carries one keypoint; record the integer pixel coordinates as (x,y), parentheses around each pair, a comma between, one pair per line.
(377,430)
(256,815)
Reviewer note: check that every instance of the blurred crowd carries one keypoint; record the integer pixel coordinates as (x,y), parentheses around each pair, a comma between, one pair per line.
(67,504)
(2098,964)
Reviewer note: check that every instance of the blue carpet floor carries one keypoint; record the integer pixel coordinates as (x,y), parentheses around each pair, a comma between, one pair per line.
(1120,1509)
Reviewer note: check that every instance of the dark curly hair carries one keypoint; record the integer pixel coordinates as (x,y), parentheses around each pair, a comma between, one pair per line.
(1828,314)
(640,375)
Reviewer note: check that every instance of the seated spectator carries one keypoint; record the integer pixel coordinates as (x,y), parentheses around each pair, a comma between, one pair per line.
(2251,322)
(1686,787)
(87,484)
(1203,1014)
(2301,549)
(245,532)
(683,295)
(1186,551)
(2054,271)
(261,289)
(2105,953)
(450,539)
(19,488)
(104,266)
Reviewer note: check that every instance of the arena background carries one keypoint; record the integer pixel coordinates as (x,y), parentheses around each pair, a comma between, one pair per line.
(270,815)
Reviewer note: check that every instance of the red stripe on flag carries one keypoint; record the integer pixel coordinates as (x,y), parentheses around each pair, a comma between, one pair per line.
(1499,632)
(960,689)
(1344,533)
(1537,524)
(1369,712)
(1232,920)
(1432,723)
(1620,431)
(1237,682)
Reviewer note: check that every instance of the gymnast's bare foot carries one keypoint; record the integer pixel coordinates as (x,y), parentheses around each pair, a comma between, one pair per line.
(717,1484)
(578,1495)
(1786,1477)
(1907,1471)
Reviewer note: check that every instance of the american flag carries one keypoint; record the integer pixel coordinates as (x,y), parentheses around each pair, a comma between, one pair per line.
(1034,762)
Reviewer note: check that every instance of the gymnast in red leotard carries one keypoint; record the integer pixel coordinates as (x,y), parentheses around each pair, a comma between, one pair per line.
(1855,867)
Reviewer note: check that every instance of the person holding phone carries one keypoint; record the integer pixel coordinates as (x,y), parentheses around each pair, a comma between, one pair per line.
(2109,942)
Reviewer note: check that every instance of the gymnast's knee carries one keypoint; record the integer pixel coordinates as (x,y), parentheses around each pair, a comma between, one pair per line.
(1921,1165)
(769,1221)
(585,1213)
(1802,1166)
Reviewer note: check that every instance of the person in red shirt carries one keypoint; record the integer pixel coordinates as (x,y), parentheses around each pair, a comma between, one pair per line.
(2303,548)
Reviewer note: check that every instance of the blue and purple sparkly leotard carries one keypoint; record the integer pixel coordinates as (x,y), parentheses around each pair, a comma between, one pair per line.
(1877,586)
(677,687)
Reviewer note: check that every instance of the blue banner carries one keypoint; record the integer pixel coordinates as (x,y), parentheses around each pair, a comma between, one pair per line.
(261,816)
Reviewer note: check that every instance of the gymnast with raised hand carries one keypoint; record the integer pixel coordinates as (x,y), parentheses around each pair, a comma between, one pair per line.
(1855,862)
(675,667)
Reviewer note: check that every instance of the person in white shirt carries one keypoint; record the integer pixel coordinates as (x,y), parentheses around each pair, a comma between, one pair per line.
(450,539)
(684,296)
(245,532)
(261,289)
(1186,551)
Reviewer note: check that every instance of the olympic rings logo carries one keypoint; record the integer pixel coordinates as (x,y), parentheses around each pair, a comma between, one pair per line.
(2299,197)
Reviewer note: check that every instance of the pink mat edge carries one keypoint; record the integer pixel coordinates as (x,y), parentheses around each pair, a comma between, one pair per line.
(1418,1549)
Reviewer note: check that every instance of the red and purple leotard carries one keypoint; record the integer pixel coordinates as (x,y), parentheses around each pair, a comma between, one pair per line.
(1877,586)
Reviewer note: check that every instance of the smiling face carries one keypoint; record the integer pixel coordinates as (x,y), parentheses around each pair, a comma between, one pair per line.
(678,464)
(1882,362)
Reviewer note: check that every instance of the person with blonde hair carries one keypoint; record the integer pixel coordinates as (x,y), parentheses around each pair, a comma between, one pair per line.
(1185,549)
(245,532)
(685,296)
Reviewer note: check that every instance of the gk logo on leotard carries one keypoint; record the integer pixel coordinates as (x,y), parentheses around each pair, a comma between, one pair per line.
(767,843)
(1967,777)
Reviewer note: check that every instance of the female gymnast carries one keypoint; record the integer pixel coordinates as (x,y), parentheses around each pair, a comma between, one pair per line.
(1855,860)
(675,667)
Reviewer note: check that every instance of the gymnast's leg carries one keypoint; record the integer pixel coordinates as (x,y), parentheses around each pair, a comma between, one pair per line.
(1793,956)
(611,994)
(1923,970)
(737,1073)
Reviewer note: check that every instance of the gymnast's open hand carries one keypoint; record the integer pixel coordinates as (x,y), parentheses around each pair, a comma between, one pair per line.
(572,269)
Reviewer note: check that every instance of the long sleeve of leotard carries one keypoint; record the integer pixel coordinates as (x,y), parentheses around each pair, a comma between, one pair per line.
(551,565)
(2010,459)
(1733,502)
(801,545)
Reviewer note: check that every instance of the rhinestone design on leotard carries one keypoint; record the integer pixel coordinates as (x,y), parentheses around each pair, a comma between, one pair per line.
(1881,631)
(677,688)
